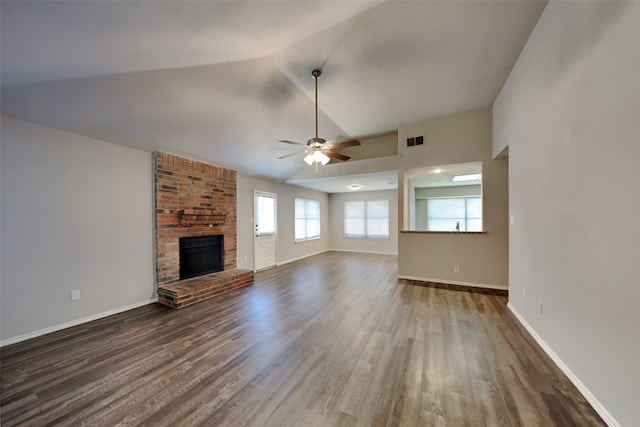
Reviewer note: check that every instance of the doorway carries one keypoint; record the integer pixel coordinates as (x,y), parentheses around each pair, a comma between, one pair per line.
(265,236)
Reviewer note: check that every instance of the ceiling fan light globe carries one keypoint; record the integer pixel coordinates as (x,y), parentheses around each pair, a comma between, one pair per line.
(320,157)
(309,159)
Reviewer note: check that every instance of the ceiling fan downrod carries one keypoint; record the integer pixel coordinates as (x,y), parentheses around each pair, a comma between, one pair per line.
(317,150)
(316,73)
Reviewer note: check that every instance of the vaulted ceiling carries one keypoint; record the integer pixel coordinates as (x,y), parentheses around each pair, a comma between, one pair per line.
(222,81)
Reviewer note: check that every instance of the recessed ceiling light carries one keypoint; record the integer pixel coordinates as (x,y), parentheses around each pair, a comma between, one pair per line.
(354,187)
(437,171)
(470,177)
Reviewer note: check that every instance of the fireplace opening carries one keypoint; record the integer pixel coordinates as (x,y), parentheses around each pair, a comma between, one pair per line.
(200,256)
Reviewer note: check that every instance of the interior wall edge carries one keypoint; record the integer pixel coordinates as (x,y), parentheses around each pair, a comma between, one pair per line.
(66,325)
(301,257)
(595,403)
(357,251)
(454,282)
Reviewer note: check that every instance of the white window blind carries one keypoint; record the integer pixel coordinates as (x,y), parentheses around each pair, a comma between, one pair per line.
(366,219)
(307,219)
(444,213)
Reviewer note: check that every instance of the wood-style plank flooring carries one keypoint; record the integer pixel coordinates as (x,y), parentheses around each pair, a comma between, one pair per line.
(331,340)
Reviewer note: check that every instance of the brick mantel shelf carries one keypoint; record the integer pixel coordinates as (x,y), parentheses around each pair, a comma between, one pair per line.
(189,217)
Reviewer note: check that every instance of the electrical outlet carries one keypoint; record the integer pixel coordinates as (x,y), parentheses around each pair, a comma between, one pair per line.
(456,269)
(75,294)
(524,293)
(244,258)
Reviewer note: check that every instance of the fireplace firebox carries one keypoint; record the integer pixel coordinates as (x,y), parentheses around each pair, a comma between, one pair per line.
(200,255)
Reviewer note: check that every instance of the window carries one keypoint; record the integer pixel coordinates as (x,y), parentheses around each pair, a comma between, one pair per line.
(453,181)
(265,214)
(444,213)
(366,219)
(307,218)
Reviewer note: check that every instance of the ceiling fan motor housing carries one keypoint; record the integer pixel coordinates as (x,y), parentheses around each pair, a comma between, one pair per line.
(316,142)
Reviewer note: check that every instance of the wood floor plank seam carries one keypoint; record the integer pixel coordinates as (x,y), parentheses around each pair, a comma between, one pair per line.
(331,340)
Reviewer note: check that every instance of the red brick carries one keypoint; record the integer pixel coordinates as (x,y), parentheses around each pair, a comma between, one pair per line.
(205,191)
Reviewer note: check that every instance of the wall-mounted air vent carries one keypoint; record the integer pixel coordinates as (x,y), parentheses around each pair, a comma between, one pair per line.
(416,140)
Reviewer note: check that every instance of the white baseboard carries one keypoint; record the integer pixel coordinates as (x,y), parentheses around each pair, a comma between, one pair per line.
(454,282)
(364,252)
(329,250)
(77,322)
(302,257)
(595,403)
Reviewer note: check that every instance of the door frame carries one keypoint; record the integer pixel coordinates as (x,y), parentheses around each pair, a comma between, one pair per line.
(257,193)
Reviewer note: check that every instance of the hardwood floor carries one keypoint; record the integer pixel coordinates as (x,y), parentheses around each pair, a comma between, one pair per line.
(332,340)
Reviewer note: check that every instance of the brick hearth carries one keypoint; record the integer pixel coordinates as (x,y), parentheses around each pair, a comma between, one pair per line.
(190,291)
(194,199)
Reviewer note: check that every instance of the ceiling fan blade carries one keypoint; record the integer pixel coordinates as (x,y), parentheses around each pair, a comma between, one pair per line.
(289,155)
(336,155)
(291,142)
(345,144)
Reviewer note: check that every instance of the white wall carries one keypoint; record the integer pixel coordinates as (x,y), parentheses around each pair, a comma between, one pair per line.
(339,242)
(570,115)
(287,249)
(76,214)
(481,258)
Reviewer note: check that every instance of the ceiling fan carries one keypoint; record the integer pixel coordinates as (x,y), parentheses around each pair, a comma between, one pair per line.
(317,149)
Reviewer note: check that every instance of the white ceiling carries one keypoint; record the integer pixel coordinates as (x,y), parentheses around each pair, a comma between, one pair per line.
(221,81)
(442,176)
(374,181)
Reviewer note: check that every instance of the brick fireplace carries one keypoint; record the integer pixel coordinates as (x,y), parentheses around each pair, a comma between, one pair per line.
(194,199)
